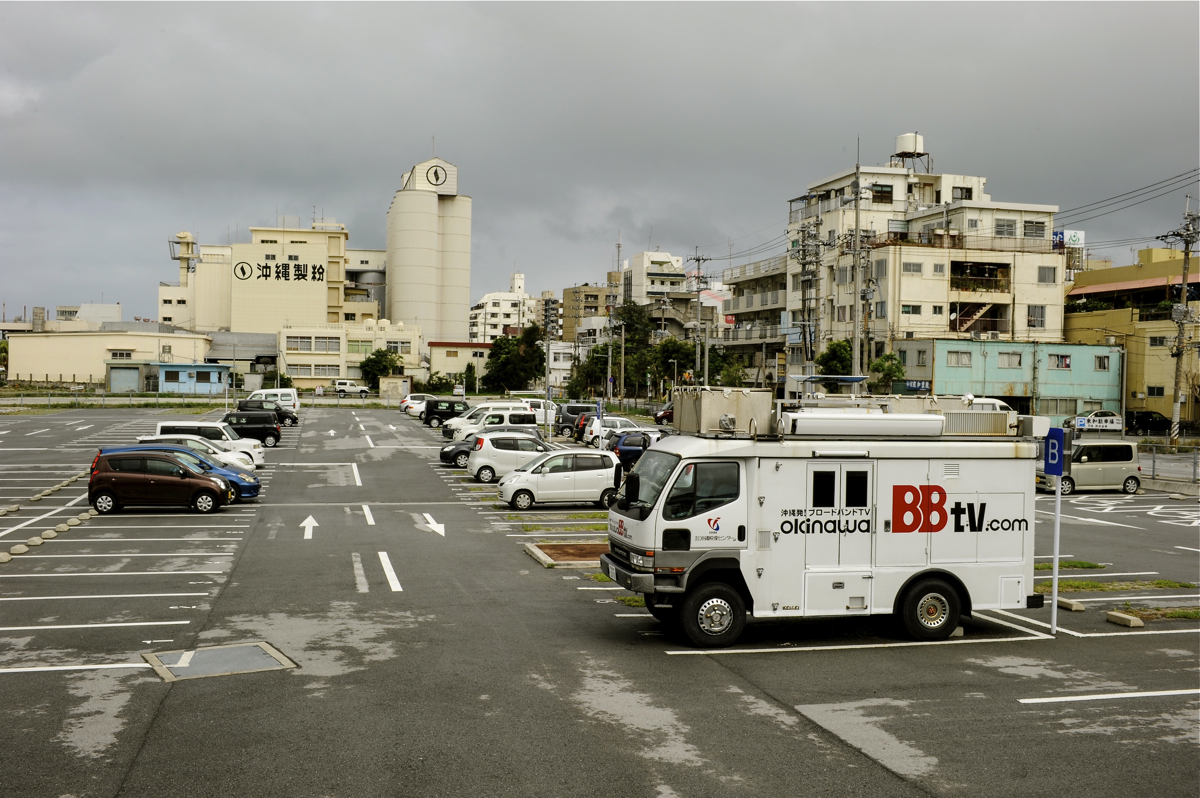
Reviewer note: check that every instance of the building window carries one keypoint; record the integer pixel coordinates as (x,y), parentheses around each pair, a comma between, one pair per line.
(841,313)
(170,376)
(364,263)
(910,310)
(513,304)
(495,304)
(902,354)
(1010,360)
(122,354)
(1092,406)
(962,193)
(268,257)
(1047,274)
(881,194)
(360,347)
(842,276)
(1060,361)
(1155,391)
(508,315)
(1036,318)
(293,257)
(881,269)
(180,301)
(958,358)
(832,236)
(1101,362)
(1056,407)
(166,301)
(939,268)
(1006,228)
(299,371)
(168,318)
(921,357)
(327,344)
(349,316)
(327,371)
(880,310)
(938,310)
(1158,340)
(912,268)
(972,224)
(1035,229)
(299,343)
(451,353)
(205,376)
(269,241)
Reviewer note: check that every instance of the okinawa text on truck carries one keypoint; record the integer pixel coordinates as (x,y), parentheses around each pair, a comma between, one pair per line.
(845,515)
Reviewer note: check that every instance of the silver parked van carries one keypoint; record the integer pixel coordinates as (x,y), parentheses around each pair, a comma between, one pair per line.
(1098,465)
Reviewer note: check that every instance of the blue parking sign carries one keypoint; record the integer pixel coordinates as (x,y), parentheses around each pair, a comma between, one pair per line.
(1053,465)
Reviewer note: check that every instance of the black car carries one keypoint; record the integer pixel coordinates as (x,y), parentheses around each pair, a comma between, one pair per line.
(568,416)
(258,424)
(286,417)
(1141,422)
(581,424)
(438,410)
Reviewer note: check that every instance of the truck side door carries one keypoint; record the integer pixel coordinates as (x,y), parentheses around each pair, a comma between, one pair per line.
(840,510)
(705,507)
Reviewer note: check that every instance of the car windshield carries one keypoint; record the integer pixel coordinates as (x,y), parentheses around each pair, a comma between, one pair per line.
(535,462)
(233,436)
(192,461)
(654,468)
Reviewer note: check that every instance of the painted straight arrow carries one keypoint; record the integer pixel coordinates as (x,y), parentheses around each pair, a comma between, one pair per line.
(308,524)
(332,433)
(434,525)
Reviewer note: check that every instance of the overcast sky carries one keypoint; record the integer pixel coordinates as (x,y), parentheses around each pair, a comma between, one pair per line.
(676,124)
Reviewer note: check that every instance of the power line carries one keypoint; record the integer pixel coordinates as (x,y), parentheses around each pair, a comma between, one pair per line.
(1190,172)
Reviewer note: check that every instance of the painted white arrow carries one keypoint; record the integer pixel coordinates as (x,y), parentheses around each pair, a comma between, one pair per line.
(391,426)
(434,525)
(332,433)
(308,524)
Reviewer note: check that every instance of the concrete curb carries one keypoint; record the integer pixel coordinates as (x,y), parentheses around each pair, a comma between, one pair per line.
(536,553)
(20,548)
(1187,489)
(5,556)
(1068,604)
(49,534)
(1122,619)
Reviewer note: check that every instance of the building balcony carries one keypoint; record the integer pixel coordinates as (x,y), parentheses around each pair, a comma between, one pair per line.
(737,274)
(759,333)
(937,239)
(768,300)
(980,285)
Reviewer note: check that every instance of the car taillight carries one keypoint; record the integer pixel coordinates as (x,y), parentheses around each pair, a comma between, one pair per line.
(478,444)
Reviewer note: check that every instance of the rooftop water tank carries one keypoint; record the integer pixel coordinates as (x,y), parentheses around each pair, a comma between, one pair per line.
(910,142)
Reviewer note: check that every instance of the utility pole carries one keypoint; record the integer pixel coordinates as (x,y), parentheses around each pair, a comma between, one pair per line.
(622,365)
(857,187)
(1188,234)
(698,259)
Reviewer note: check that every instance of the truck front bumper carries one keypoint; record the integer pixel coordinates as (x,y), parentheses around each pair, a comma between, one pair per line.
(630,580)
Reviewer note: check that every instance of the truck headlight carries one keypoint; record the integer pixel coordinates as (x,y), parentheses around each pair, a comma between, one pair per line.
(640,561)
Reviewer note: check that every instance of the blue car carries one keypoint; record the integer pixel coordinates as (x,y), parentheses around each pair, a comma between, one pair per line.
(246,483)
(628,446)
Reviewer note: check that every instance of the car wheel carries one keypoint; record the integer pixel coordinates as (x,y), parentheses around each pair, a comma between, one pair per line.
(269,441)
(1137,433)
(435,422)
(287,422)
(607,497)
(564,432)
(1131,485)
(204,501)
(595,442)
(485,474)
(522,500)
(713,615)
(1067,486)
(460,460)
(105,503)
(421,415)
(930,610)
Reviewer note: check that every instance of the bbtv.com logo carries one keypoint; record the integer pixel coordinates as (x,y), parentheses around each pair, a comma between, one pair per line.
(923,509)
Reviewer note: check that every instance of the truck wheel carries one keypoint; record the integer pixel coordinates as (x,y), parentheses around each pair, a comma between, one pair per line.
(460,459)
(607,497)
(485,474)
(930,610)
(1131,485)
(523,500)
(713,615)
(1068,486)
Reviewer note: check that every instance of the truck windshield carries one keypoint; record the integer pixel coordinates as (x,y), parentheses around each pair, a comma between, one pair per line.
(654,468)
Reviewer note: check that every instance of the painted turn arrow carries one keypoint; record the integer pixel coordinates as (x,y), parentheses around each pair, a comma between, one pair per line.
(308,524)
(434,525)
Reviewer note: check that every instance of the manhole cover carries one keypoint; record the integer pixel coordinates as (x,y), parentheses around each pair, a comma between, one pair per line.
(198,663)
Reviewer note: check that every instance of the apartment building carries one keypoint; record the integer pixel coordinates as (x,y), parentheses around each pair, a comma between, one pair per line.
(504,312)
(582,304)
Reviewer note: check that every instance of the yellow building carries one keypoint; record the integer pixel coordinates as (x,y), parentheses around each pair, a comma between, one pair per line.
(317,354)
(118,360)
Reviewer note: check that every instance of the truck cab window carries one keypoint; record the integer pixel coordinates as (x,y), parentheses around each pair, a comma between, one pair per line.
(824,492)
(701,488)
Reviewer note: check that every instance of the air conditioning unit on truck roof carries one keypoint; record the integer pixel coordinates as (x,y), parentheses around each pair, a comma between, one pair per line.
(838,514)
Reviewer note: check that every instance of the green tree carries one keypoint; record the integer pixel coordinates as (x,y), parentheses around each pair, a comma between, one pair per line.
(4,353)
(732,375)
(379,363)
(438,384)
(514,363)
(889,368)
(468,377)
(638,324)
(837,359)
(275,379)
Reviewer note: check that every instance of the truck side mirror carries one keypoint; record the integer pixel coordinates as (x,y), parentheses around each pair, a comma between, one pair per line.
(617,475)
(632,483)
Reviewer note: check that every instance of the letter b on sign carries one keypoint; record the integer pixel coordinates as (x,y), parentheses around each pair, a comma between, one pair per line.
(1053,465)
(918,509)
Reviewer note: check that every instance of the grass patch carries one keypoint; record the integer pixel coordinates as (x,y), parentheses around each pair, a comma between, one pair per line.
(1090,585)
(632,601)
(587,515)
(581,529)
(599,578)
(1046,566)
(1159,614)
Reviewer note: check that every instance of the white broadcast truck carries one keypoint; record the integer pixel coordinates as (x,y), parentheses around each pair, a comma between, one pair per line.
(834,514)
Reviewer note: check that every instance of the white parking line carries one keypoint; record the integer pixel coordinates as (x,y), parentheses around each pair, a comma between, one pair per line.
(35,432)
(56,510)
(51,668)
(362,428)
(390,573)
(1187,548)
(81,429)
(1094,572)
(140,540)
(1106,696)
(371,443)
(90,626)
(167,554)
(111,573)
(1092,520)
(360,576)
(102,596)
(367,513)
(357,478)
(1131,598)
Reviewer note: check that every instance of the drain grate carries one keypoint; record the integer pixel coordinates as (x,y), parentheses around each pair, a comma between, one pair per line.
(200,663)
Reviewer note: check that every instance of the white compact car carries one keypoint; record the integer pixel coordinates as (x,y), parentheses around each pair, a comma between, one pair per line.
(597,427)
(204,447)
(286,397)
(497,453)
(414,398)
(563,477)
(417,409)
(218,432)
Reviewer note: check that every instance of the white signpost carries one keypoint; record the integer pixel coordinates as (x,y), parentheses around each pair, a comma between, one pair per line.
(1053,466)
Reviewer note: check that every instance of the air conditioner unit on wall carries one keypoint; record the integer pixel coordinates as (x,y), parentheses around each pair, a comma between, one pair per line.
(995,336)
(976,336)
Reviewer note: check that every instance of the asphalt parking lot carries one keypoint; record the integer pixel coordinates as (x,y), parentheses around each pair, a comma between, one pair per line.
(433,656)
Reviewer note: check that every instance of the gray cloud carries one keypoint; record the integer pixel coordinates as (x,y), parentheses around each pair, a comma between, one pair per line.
(691,123)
